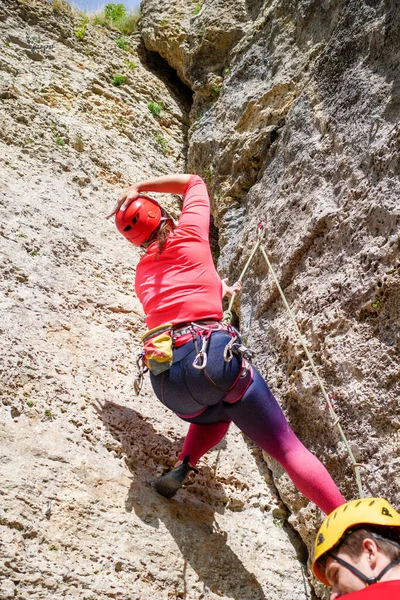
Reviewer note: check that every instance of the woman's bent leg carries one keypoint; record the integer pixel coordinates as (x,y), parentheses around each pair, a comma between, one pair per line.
(260,417)
(201,438)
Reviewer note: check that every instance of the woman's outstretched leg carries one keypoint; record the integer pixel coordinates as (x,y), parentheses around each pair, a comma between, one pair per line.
(201,438)
(260,417)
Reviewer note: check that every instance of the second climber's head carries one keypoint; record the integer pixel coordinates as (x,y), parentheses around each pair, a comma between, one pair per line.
(358,545)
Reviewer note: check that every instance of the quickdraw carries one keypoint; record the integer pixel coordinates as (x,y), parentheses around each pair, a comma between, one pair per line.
(142,369)
(235,345)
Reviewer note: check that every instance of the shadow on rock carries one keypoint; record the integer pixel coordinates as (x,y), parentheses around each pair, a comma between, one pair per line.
(189,517)
(280,510)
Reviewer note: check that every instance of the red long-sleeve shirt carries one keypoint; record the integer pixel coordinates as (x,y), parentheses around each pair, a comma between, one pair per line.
(386,590)
(181,284)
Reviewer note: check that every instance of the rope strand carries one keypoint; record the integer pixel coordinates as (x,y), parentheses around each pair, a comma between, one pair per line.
(227,318)
(332,412)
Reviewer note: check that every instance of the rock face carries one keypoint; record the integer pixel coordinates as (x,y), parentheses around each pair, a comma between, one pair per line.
(295,119)
(290,112)
(79,517)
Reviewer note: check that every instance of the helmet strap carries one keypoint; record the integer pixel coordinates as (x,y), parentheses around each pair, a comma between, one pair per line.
(367,580)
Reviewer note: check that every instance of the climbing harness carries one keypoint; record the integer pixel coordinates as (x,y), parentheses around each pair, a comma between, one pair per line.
(228,318)
(200,333)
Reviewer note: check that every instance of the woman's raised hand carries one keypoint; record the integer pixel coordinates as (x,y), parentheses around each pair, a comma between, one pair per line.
(125,199)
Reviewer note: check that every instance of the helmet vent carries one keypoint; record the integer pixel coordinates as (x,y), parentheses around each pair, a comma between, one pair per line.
(135,219)
(128,228)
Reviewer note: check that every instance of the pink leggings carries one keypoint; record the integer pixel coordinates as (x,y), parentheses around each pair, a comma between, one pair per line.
(260,417)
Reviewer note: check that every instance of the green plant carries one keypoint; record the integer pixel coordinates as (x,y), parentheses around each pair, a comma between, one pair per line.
(78,144)
(375,305)
(162,142)
(216,254)
(59,141)
(29,403)
(207,174)
(114,11)
(123,44)
(155,107)
(84,18)
(278,522)
(127,24)
(120,18)
(216,89)
(100,19)
(48,413)
(118,80)
(80,32)
(116,16)
(197,8)
(130,64)
(53,547)
(61,6)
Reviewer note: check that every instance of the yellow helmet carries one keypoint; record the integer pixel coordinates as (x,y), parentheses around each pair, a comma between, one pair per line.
(368,511)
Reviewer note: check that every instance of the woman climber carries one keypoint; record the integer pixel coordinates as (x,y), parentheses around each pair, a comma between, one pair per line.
(199,367)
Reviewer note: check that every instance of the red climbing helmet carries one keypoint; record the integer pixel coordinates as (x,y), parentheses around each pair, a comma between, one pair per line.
(139,220)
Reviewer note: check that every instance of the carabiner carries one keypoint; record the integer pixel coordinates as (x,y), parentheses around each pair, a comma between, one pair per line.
(228,350)
(200,361)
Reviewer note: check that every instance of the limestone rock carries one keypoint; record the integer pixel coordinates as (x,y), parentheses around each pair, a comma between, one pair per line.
(303,130)
(79,517)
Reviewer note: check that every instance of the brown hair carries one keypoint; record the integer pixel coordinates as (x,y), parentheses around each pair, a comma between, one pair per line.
(163,234)
(352,544)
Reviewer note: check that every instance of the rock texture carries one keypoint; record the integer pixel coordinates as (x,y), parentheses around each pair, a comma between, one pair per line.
(295,119)
(78,453)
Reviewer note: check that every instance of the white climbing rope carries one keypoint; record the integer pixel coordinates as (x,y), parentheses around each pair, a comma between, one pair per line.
(336,422)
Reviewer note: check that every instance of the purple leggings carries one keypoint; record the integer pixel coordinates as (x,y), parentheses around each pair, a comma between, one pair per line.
(257,414)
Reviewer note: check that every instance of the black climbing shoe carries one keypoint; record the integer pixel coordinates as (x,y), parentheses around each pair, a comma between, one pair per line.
(167,485)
